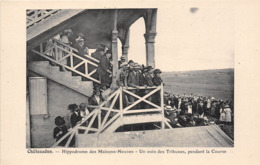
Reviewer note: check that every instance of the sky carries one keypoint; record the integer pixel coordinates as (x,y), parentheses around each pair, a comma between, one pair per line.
(190,36)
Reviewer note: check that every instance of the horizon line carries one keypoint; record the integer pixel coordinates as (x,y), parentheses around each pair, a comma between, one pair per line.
(195,70)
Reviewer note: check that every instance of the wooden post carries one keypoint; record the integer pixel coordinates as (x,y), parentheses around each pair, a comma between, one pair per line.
(162,106)
(125,46)
(150,21)
(114,47)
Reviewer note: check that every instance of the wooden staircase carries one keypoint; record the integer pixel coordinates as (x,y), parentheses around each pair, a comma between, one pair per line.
(64,78)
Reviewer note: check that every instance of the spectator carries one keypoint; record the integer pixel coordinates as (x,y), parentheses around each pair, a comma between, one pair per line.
(122,59)
(104,69)
(60,130)
(133,81)
(227,111)
(157,80)
(65,40)
(122,74)
(95,99)
(75,117)
(83,110)
(222,114)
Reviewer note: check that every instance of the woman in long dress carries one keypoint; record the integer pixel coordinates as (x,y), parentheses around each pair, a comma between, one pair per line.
(228,113)
(222,114)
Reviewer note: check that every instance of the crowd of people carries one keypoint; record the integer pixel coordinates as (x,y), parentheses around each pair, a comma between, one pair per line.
(193,110)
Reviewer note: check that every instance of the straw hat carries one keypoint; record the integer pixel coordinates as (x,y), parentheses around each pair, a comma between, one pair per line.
(124,64)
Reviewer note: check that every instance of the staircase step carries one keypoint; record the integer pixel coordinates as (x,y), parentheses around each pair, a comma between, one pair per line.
(65,78)
(76,78)
(40,63)
(57,68)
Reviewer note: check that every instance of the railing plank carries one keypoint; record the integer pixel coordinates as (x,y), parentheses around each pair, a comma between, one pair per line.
(141,98)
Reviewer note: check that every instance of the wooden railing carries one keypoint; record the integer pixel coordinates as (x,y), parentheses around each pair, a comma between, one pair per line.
(69,54)
(114,108)
(35,16)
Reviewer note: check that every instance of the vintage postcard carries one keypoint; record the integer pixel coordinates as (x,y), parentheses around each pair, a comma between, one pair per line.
(154,81)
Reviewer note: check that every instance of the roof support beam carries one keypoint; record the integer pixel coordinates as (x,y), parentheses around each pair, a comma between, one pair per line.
(114,46)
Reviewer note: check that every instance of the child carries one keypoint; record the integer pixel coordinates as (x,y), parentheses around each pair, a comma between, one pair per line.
(60,130)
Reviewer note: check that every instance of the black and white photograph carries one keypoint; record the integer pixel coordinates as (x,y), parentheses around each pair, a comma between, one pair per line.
(130,77)
(129,82)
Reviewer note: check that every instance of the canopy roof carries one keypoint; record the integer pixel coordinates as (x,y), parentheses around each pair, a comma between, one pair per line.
(95,24)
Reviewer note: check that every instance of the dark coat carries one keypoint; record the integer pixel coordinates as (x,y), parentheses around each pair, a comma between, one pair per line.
(103,66)
(93,101)
(74,118)
(157,81)
(142,80)
(149,79)
(133,79)
(57,137)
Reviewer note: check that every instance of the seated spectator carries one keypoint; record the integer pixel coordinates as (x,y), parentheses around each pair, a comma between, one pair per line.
(60,130)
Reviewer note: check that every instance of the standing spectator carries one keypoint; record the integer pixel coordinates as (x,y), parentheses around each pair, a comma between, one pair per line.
(208,103)
(122,59)
(75,117)
(222,114)
(133,81)
(95,99)
(65,40)
(83,110)
(97,55)
(104,69)
(227,110)
(201,109)
(157,80)
(189,108)
(122,74)
(148,71)
(60,130)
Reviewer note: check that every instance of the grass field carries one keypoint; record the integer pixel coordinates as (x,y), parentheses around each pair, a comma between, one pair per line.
(218,83)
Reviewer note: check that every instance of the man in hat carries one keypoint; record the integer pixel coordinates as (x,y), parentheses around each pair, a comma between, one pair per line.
(122,59)
(157,80)
(104,68)
(122,74)
(133,81)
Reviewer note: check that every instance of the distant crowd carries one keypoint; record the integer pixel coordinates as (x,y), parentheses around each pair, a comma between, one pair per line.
(193,110)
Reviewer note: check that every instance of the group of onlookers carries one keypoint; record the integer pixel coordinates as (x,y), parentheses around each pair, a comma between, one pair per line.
(197,110)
